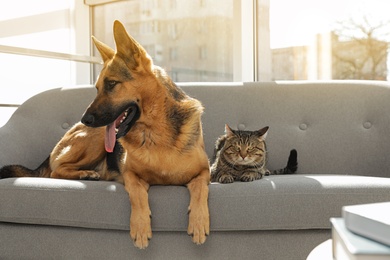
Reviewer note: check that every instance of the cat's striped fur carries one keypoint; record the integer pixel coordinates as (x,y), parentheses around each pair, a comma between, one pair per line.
(242,156)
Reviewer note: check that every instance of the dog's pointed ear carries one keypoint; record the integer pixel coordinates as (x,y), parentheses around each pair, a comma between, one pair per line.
(105,51)
(129,49)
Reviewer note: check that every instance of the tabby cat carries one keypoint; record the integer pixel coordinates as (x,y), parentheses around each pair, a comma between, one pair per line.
(242,156)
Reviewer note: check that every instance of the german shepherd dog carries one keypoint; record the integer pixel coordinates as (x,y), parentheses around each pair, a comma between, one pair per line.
(159,131)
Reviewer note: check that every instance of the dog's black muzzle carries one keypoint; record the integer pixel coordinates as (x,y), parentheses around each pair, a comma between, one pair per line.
(126,116)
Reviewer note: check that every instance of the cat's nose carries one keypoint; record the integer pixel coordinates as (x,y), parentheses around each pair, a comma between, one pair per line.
(243,155)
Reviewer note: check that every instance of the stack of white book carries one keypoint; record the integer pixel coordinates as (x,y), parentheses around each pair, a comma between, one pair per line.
(362,233)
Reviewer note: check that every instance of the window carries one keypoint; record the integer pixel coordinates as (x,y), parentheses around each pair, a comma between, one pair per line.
(203,52)
(246,40)
(36,55)
(172,30)
(324,40)
(194,40)
(201,31)
(173,53)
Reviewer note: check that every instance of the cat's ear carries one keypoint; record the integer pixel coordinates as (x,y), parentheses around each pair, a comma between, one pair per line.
(262,133)
(228,130)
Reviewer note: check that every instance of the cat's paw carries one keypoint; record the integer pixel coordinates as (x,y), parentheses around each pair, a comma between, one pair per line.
(251,176)
(226,178)
(266,172)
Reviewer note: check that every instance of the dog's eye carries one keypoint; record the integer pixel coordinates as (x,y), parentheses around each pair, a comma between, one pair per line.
(110,84)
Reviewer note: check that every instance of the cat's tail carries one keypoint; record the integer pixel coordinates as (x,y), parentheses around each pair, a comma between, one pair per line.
(292,164)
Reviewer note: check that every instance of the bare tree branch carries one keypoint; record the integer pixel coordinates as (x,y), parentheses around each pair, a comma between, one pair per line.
(360,48)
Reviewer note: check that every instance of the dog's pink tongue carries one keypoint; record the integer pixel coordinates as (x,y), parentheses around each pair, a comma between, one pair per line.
(110,138)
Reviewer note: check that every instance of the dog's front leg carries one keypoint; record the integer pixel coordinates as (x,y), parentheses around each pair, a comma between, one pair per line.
(140,218)
(198,210)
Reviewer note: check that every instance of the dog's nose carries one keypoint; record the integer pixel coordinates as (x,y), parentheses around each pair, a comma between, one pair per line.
(88,119)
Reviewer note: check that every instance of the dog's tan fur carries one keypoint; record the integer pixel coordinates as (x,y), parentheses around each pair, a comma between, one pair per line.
(164,147)
(80,154)
(154,154)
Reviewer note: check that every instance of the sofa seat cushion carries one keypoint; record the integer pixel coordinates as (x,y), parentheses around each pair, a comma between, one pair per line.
(285,202)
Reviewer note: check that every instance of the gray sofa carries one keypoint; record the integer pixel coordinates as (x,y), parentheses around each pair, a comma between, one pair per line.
(341,130)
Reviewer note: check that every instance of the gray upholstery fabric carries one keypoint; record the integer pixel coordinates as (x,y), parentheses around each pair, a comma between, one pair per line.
(339,127)
(46,242)
(341,130)
(331,120)
(37,125)
(274,203)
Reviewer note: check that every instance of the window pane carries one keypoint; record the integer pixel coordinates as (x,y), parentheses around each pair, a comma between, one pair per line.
(25,76)
(192,40)
(30,26)
(46,26)
(333,39)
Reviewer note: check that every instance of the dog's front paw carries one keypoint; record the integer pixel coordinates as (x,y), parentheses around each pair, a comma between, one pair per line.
(140,232)
(89,175)
(199,226)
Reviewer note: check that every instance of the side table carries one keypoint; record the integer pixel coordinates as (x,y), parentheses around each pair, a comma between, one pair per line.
(323,251)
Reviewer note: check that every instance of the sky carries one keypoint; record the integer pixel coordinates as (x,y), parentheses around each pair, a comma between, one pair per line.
(295,22)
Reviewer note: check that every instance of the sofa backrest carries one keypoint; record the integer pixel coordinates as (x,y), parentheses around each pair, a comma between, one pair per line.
(338,127)
(40,122)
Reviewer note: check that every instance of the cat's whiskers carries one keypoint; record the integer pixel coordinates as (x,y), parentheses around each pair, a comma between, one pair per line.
(236,162)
